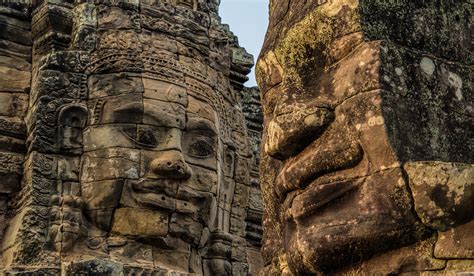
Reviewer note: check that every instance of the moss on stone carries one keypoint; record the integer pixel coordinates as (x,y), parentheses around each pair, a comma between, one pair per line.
(439,28)
(306,44)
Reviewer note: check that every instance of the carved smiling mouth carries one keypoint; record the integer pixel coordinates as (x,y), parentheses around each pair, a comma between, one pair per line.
(147,186)
(153,194)
(333,151)
(301,203)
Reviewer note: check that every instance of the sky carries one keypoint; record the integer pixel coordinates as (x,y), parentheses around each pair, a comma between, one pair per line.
(248,19)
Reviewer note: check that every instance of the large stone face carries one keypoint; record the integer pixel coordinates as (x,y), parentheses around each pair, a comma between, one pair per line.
(124,147)
(367,146)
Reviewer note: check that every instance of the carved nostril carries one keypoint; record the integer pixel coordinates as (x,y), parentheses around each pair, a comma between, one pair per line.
(170,165)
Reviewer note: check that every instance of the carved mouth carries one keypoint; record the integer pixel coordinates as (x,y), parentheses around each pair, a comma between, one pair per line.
(316,196)
(152,194)
(147,186)
(316,161)
(298,183)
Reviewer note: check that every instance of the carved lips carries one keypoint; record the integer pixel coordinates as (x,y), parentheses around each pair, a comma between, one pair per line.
(315,197)
(151,194)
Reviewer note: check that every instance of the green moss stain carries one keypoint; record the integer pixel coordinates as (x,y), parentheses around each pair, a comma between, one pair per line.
(304,49)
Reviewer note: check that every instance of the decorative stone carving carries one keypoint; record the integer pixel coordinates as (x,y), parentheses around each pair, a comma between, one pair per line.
(129,154)
(367,148)
(15,80)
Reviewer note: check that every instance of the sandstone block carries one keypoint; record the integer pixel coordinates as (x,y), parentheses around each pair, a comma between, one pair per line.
(140,222)
(442,192)
(185,227)
(164,114)
(13,105)
(455,243)
(126,109)
(115,84)
(164,91)
(102,194)
(172,259)
(133,253)
(110,164)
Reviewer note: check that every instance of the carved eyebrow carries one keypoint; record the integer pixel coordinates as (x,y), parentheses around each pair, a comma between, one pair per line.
(201,126)
(164,114)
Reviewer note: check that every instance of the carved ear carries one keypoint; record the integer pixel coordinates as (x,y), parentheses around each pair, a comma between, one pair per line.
(72,119)
(229,161)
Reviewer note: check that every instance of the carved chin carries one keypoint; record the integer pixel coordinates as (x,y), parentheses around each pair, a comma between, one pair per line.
(314,249)
(351,220)
(331,248)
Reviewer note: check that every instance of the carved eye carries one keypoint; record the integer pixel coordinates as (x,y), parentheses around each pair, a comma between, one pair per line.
(146,139)
(143,138)
(201,149)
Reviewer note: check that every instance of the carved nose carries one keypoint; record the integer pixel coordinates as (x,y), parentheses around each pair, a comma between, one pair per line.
(296,128)
(171,165)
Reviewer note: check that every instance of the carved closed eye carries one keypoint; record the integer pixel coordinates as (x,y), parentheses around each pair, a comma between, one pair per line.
(143,138)
(201,149)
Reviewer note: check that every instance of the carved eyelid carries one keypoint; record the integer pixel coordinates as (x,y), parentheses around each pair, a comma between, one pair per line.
(211,149)
(202,127)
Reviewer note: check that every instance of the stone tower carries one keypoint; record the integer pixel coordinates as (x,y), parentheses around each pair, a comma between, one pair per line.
(123,145)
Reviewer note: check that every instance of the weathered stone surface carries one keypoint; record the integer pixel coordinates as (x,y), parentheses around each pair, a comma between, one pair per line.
(163,114)
(102,195)
(93,267)
(104,85)
(13,105)
(165,91)
(366,150)
(15,75)
(442,193)
(176,259)
(455,243)
(407,259)
(108,136)
(137,222)
(117,120)
(133,253)
(111,164)
(113,109)
(460,267)
(186,228)
(15,84)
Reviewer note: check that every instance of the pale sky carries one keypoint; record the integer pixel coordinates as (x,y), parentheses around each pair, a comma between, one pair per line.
(248,19)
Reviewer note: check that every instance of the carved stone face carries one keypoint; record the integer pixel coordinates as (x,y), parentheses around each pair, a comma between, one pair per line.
(157,145)
(127,116)
(350,127)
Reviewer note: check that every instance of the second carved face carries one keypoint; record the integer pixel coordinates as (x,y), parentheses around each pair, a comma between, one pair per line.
(150,164)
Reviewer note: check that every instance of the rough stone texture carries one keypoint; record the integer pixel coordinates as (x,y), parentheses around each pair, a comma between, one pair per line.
(128,142)
(15,79)
(254,119)
(367,149)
